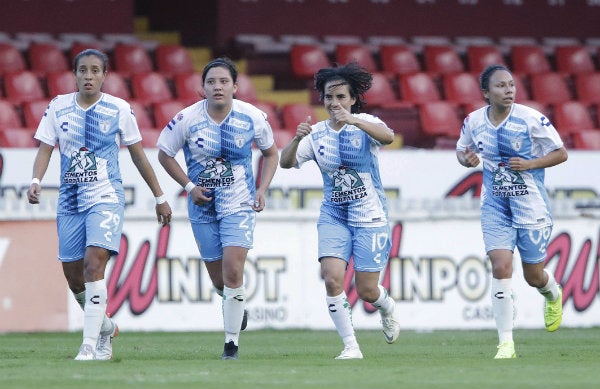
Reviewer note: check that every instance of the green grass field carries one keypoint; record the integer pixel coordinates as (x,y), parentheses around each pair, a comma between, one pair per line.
(568,358)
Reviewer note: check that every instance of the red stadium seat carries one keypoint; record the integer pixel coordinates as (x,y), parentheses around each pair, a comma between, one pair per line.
(188,87)
(9,117)
(11,59)
(173,59)
(587,88)
(355,53)
(165,111)
(480,57)
(462,88)
(573,60)
(78,47)
(116,85)
(382,95)
(441,59)
(245,89)
(132,59)
(418,88)
(22,86)
(398,59)
(33,112)
(306,60)
(142,115)
(18,137)
(571,117)
(549,88)
(522,93)
(150,137)
(587,140)
(47,58)
(282,137)
(61,83)
(149,88)
(295,113)
(540,107)
(529,60)
(439,118)
(271,112)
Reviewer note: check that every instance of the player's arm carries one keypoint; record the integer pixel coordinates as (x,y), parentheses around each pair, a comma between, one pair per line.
(40,165)
(551,159)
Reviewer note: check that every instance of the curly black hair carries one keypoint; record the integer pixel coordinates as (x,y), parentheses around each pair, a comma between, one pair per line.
(356,77)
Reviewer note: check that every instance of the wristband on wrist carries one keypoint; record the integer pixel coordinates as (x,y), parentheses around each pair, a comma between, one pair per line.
(35,180)
(189,186)
(160,199)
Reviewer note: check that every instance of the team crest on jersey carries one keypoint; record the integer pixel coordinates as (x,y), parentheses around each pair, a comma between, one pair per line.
(356,141)
(516,144)
(82,167)
(347,185)
(239,140)
(217,173)
(104,126)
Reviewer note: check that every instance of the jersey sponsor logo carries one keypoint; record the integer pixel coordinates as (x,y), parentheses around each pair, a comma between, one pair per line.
(82,167)
(239,123)
(508,183)
(217,173)
(347,186)
(105,111)
(515,127)
(64,111)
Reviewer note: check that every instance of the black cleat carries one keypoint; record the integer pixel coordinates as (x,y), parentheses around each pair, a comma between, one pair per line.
(244,320)
(230,351)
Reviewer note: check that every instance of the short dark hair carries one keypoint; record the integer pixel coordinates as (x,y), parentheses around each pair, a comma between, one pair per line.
(356,77)
(484,77)
(222,62)
(94,52)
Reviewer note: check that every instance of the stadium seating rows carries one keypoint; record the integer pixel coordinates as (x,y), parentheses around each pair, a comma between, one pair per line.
(409,75)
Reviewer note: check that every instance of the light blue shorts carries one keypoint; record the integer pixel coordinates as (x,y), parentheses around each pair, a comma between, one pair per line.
(532,243)
(233,230)
(99,226)
(369,245)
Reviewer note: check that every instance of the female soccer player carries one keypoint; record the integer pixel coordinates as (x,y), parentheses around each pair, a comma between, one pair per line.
(516,143)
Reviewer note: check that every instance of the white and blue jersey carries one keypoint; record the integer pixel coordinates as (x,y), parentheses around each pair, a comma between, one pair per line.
(88,141)
(512,198)
(352,189)
(218,155)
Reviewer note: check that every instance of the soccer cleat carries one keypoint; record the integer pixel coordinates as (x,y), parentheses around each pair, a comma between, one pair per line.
(506,350)
(553,312)
(244,320)
(230,351)
(86,353)
(104,345)
(350,352)
(391,327)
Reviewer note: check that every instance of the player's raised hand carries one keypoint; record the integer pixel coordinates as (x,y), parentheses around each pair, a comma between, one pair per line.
(304,128)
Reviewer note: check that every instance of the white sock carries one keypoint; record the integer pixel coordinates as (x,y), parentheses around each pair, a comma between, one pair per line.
(550,291)
(341,314)
(234,302)
(106,323)
(502,305)
(384,303)
(94,311)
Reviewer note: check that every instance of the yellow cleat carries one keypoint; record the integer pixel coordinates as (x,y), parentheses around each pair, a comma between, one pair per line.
(506,350)
(553,312)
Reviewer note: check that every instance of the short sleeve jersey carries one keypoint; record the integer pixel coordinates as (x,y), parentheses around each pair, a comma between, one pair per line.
(88,141)
(513,198)
(352,188)
(218,156)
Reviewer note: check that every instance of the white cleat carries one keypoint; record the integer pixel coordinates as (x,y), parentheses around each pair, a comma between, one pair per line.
(104,345)
(391,326)
(352,352)
(86,353)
